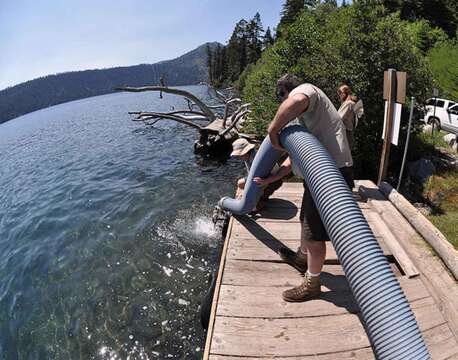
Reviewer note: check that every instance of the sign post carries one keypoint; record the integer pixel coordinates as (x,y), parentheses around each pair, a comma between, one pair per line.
(389,94)
(394,93)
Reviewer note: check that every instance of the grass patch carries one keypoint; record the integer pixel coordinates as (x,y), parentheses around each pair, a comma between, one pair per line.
(442,190)
(426,145)
(436,139)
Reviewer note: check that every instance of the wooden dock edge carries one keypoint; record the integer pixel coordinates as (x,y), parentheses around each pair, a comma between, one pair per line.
(219,278)
(424,227)
(434,273)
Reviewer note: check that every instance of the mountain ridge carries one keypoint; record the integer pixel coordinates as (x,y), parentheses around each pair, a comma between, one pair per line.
(187,69)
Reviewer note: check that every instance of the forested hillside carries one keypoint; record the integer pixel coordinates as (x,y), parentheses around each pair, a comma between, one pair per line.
(330,45)
(228,64)
(190,68)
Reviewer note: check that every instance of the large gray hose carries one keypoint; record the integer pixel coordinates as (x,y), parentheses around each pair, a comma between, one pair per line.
(389,321)
(262,165)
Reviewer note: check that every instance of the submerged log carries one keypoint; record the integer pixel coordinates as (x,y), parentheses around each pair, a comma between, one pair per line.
(214,140)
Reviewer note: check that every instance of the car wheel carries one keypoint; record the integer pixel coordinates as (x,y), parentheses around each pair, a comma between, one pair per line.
(435,122)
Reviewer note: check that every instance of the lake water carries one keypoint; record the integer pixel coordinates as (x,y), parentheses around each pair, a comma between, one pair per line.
(106,242)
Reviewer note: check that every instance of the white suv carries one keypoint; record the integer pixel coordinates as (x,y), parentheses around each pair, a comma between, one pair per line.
(444,116)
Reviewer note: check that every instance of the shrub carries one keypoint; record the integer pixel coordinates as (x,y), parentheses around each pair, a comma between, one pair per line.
(443,59)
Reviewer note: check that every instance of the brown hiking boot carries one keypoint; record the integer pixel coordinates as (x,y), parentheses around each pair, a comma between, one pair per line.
(309,289)
(297,259)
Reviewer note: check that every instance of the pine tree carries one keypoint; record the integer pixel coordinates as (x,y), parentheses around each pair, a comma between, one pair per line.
(291,9)
(440,13)
(234,50)
(242,56)
(227,63)
(268,39)
(311,4)
(331,2)
(254,33)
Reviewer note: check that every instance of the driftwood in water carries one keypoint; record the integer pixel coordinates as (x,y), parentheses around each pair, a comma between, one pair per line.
(216,134)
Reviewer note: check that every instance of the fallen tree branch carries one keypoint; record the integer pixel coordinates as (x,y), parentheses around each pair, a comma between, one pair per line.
(168,113)
(208,113)
(218,94)
(226,109)
(236,120)
(198,117)
(217,134)
(238,111)
(171,117)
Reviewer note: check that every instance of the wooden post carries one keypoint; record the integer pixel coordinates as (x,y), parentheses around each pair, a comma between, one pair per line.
(389,93)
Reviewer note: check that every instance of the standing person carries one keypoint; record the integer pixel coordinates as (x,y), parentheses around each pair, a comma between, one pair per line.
(245,151)
(347,112)
(315,111)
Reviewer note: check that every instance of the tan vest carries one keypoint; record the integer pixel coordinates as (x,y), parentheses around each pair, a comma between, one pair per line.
(323,121)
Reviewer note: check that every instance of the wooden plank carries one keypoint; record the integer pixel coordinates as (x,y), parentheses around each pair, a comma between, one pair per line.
(285,213)
(287,337)
(280,213)
(430,233)
(270,232)
(285,200)
(303,336)
(358,354)
(439,340)
(292,185)
(267,302)
(293,199)
(214,307)
(267,250)
(401,80)
(337,298)
(396,249)
(259,273)
(441,284)
(253,273)
(246,226)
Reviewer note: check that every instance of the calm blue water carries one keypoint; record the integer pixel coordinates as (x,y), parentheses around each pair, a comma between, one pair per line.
(105,240)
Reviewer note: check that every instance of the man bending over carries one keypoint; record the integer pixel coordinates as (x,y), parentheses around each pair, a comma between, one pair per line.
(313,109)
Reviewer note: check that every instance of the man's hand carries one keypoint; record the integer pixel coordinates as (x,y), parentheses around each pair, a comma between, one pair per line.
(284,170)
(274,135)
(262,181)
(241,183)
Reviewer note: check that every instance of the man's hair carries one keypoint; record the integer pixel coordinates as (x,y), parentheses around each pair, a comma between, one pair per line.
(288,82)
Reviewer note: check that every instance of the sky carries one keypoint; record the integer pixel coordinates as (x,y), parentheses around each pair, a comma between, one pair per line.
(41,37)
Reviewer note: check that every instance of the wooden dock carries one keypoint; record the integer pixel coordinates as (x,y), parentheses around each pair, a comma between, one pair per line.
(249,318)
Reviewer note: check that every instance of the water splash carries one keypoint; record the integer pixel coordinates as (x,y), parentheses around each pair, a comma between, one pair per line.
(190,226)
(204,226)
